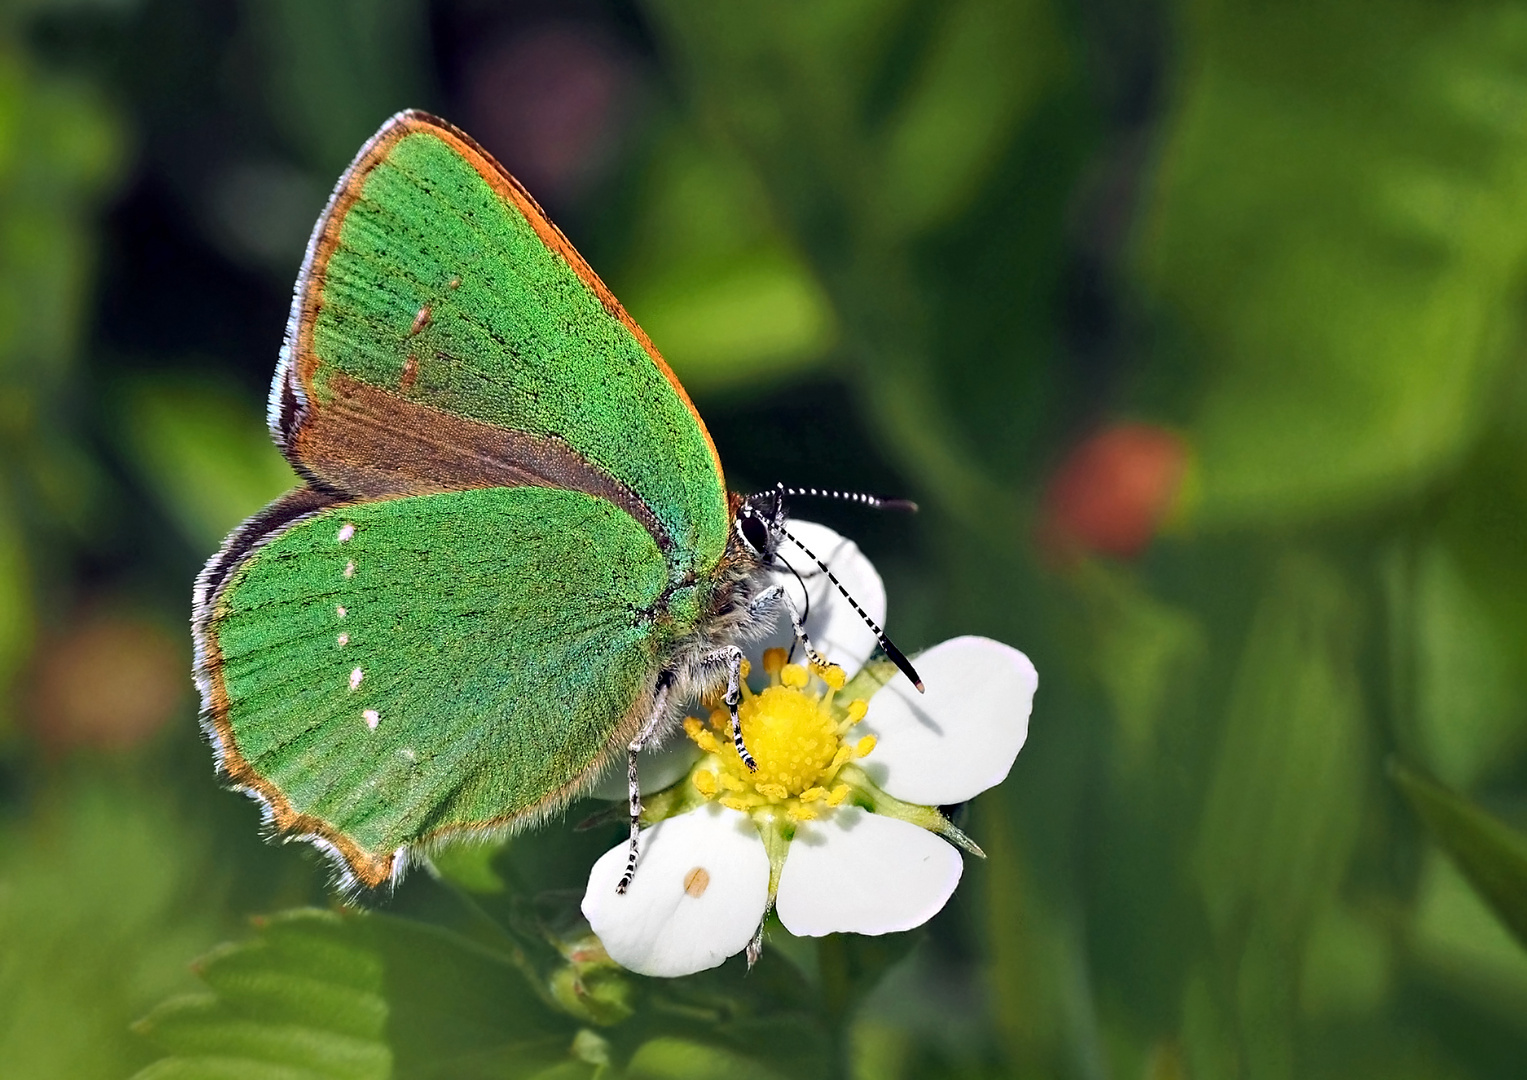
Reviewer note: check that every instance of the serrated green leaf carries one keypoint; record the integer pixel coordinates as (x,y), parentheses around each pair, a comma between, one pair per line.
(1488,852)
(356,996)
(332,1027)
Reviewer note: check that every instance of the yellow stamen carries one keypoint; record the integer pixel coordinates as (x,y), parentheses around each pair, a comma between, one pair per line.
(702,738)
(831,674)
(795,734)
(794,676)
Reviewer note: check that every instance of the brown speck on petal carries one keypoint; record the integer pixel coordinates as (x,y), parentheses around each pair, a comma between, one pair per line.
(421,320)
(697,881)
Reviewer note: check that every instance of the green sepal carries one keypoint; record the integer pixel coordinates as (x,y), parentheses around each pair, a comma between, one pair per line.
(876,673)
(866,793)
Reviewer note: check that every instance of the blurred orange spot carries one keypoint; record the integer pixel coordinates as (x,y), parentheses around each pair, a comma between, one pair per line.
(1112,492)
(109,681)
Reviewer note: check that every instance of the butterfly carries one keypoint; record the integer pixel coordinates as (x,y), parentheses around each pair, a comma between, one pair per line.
(513,555)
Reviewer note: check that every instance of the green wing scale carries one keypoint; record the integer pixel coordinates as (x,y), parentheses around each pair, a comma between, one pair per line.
(511,511)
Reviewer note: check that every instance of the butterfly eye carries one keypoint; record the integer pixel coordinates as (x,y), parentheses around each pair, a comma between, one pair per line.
(754,532)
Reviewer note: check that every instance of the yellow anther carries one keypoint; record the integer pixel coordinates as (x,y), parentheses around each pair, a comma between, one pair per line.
(731,802)
(832,675)
(732,782)
(746,669)
(794,676)
(705,783)
(843,754)
(856,710)
(837,795)
(864,746)
(773,792)
(812,794)
(800,813)
(702,738)
(773,661)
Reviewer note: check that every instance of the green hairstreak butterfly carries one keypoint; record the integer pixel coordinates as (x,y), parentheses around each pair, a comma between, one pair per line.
(513,555)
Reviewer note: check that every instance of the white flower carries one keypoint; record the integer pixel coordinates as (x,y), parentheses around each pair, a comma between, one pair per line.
(837,830)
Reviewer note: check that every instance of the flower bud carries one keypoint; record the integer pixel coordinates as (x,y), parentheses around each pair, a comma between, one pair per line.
(1113,491)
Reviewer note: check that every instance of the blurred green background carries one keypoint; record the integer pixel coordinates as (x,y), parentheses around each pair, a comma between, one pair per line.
(1197,329)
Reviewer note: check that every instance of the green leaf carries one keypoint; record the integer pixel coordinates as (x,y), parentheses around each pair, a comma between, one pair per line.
(681,1059)
(1468,691)
(1489,853)
(1339,219)
(321,994)
(106,891)
(1145,654)
(303,999)
(1286,793)
(968,97)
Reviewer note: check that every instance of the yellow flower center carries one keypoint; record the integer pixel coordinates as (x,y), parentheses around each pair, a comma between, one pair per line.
(796,734)
(790,735)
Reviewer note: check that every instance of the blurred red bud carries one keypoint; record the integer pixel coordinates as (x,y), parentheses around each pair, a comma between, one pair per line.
(108,681)
(1112,492)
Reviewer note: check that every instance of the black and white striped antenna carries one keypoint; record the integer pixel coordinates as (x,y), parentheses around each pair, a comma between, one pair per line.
(874,502)
(885,643)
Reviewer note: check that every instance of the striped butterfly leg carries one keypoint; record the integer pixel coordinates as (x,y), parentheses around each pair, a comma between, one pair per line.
(760,609)
(771,600)
(729,657)
(633,783)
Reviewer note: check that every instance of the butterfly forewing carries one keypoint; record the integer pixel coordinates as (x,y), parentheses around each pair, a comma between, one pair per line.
(439,308)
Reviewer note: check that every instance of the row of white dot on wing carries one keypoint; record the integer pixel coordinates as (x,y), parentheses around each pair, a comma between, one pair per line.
(370,716)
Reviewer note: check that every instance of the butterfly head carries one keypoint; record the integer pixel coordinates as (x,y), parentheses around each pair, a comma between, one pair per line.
(760,524)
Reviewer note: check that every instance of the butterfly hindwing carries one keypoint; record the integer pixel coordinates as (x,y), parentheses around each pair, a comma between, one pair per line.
(446,335)
(387,672)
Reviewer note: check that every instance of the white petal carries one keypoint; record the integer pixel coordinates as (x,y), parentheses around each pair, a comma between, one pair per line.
(959,738)
(834,627)
(862,873)
(697,898)
(656,768)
